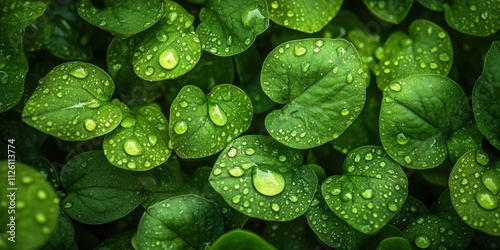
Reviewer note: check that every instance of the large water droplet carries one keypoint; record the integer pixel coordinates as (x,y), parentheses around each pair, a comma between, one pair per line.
(132,147)
(486,200)
(251,16)
(422,241)
(128,121)
(275,207)
(482,158)
(402,139)
(395,87)
(153,139)
(162,36)
(367,194)
(90,124)
(216,114)
(180,127)
(168,59)
(444,57)
(300,50)
(79,72)
(491,181)
(236,171)
(249,151)
(267,182)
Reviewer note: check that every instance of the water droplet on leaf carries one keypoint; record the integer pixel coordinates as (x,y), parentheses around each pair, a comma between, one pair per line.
(132,147)
(79,72)
(90,124)
(180,127)
(216,114)
(486,200)
(168,59)
(267,182)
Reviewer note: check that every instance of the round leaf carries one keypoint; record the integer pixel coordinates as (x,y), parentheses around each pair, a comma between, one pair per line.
(322,85)
(141,141)
(474,190)
(393,11)
(263,179)
(169,49)
(242,240)
(229,27)
(73,102)
(123,18)
(303,15)
(426,50)
(202,125)
(430,231)
(474,17)
(371,191)
(29,205)
(98,192)
(417,116)
(182,222)
(485,97)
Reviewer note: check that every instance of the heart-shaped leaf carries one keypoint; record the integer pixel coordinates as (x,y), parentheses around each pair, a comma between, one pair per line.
(321,83)
(202,125)
(181,222)
(98,192)
(429,231)
(168,49)
(303,15)
(393,11)
(371,191)
(73,102)
(474,189)
(262,178)
(474,17)
(29,205)
(485,97)
(417,116)
(122,18)
(228,28)
(141,142)
(16,16)
(425,50)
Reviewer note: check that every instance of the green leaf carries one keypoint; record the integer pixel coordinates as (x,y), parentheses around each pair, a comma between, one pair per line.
(202,125)
(182,222)
(133,90)
(474,186)
(303,15)
(263,179)
(426,49)
(98,192)
(15,17)
(394,243)
(392,11)
(29,205)
(411,209)
(320,81)
(418,115)
(331,229)
(463,140)
(122,18)
(48,171)
(63,237)
(462,233)
(228,28)
(242,240)
(168,49)
(371,191)
(366,44)
(121,241)
(290,235)
(437,5)
(485,97)
(73,102)
(141,141)
(475,17)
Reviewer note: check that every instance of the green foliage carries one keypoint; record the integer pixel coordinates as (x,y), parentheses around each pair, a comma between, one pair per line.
(260,124)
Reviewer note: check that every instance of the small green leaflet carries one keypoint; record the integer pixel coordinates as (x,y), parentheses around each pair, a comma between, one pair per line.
(485,97)
(437,5)
(241,239)
(73,102)
(98,192)
(15,17)
(426,49)
(229,27)
(474,17)
(322,85)
(463,140)
(474,190)
(418,115)
(202,125)
(63,236)
(33,205)
(371,191)
(262,178)
(122,18)
(181,222)
(393,11)
(168,49)
(409,211)
(303,15)
(141,142)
